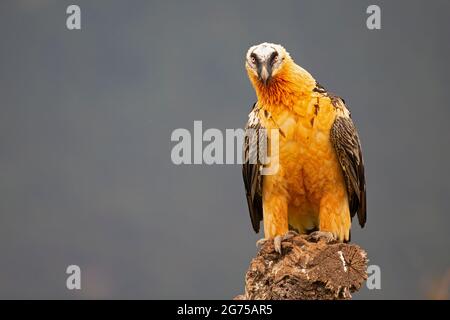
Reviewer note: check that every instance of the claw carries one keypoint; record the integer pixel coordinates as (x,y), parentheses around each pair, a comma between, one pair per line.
(261,242)
(277,240)
(322,235)
(290,234)
(277,243)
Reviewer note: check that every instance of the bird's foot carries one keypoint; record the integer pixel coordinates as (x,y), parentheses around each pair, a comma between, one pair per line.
(277,240)
(261,242)
(322,235)
(277,243)
(290,234)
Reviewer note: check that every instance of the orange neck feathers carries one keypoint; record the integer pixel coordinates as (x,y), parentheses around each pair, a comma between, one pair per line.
(285,88)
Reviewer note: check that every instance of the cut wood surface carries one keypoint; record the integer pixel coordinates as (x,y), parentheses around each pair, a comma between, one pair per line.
(305,270)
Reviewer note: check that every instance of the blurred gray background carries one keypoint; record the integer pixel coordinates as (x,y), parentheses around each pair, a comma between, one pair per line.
(86,117)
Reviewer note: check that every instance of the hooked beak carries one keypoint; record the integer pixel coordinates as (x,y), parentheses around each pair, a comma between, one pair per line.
(265,72)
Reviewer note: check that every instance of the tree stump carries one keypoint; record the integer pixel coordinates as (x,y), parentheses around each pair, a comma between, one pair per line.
(306,270)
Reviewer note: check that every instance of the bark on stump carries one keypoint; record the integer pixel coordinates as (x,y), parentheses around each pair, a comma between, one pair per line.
(306,270)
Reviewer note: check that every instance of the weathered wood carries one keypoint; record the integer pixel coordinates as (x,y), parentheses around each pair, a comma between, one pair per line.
(305,270)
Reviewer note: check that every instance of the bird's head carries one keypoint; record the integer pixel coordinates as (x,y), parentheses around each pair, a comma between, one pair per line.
(275,76)
(265,61)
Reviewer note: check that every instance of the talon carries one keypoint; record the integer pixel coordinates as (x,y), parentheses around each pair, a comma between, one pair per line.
(277,243)
(322,235)
(290,234)
(261,242)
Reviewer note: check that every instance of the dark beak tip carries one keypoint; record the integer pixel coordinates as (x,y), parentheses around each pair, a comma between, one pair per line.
(265,81)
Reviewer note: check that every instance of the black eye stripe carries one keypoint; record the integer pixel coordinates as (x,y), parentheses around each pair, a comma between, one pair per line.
(272,57)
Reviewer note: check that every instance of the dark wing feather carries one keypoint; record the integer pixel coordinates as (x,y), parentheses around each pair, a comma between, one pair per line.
(250,170)
(348,149)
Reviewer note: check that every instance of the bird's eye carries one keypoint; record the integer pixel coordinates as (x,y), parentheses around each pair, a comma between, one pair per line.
(253,59)
(275,59)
